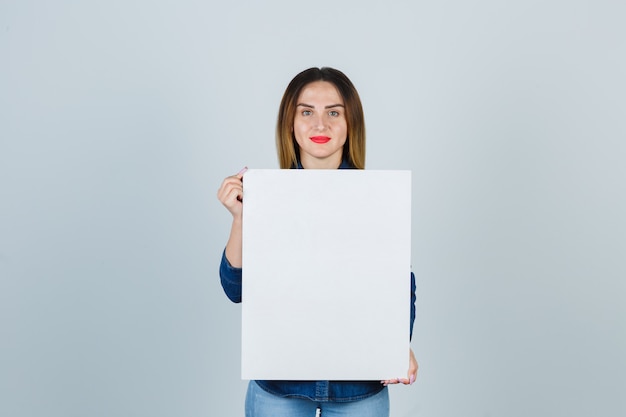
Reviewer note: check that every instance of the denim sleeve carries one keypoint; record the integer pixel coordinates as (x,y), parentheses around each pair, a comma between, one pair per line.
(413,298)
(231,279)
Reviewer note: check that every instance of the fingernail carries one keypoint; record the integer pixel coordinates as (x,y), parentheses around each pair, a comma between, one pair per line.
(243,170)
(412,379)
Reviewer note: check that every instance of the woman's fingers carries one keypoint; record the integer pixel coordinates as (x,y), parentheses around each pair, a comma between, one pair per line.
(230,192)
(229,184)
(232,182)
(390,381)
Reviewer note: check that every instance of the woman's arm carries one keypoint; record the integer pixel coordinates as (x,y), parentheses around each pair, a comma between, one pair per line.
(230,194)
(233,246)
(230,278)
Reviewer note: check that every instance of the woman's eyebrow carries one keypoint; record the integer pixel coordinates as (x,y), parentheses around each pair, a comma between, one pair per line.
(326,107)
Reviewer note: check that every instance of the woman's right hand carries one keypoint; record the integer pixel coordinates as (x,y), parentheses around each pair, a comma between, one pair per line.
(230,193)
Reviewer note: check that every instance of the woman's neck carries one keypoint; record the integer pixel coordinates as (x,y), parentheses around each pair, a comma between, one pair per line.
(331,162)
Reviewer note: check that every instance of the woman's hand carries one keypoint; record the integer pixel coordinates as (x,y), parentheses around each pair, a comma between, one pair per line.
(230,193)
(231,196)
(411,374)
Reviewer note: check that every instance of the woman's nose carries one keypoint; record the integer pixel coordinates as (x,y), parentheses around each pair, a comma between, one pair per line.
(320,122)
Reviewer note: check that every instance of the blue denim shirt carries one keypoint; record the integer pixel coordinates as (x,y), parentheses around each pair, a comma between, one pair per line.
(337,391)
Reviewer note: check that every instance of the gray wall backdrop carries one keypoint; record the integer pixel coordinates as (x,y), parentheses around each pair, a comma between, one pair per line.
(119,119)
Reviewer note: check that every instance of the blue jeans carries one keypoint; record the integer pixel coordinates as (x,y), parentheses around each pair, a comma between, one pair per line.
(260,403)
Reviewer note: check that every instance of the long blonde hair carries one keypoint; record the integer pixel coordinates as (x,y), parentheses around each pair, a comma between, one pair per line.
(286,146)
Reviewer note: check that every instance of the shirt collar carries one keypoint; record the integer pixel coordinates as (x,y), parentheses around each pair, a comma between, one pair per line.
(344,165)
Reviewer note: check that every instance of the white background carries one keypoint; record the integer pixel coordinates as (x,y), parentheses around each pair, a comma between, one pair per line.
(119,119)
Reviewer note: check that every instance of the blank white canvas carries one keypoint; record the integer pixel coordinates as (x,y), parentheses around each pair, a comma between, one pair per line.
(326,274)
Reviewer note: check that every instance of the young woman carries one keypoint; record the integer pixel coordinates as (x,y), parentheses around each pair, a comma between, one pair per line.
(320,126)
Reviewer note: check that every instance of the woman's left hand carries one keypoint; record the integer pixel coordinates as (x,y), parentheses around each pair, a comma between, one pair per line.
(411,375)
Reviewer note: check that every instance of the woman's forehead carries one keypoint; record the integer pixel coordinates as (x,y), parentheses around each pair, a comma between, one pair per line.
(320,91)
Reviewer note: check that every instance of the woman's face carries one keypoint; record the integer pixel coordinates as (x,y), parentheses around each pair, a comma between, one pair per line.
(320,126)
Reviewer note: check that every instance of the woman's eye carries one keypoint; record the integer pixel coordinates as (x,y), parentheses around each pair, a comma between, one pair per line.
(306,112)
(333,113)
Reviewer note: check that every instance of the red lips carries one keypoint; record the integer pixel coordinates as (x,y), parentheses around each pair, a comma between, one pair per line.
(320,139)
